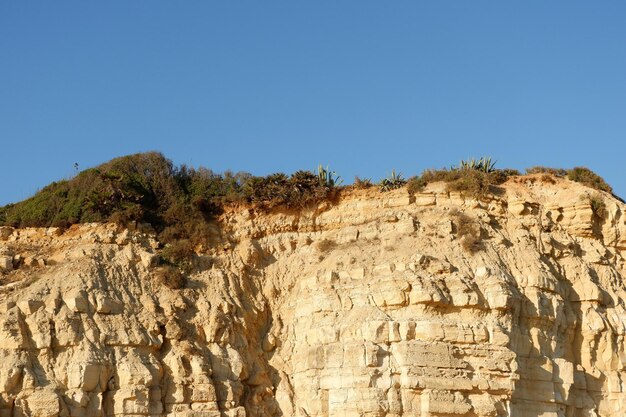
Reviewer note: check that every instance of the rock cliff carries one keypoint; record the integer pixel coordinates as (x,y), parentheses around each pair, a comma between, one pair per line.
(379,305)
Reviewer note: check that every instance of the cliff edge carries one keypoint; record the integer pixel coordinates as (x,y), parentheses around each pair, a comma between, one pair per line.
(381,304)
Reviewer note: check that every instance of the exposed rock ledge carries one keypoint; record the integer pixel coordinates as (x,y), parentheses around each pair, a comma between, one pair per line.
(370,307)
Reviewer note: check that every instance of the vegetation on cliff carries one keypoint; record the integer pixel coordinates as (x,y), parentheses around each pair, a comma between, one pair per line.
(578,174)
(474,182)
(147,187)
(179,201)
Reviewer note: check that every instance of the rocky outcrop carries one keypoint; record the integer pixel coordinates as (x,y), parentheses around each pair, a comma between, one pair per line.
(374,306)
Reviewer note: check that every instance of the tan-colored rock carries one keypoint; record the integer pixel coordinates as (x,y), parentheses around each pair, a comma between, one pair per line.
(42,402)
(389,316)
(6,263)
(76,301)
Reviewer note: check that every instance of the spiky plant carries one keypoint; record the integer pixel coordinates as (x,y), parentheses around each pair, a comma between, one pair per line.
(484,164)
(328,178)
(392,182)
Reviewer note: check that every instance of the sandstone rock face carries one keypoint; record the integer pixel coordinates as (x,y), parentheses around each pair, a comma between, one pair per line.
(370,307)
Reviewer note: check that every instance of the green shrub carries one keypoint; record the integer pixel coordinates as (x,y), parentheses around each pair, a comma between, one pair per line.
(133,188)
(147,187)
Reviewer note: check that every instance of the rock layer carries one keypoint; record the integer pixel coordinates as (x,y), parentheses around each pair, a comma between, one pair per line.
(374,306)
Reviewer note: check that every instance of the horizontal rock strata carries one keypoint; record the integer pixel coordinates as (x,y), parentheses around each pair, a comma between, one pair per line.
(379,305)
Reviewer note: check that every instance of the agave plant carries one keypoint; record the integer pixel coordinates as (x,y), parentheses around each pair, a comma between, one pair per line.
(484,164)
(328,178)
(392,182)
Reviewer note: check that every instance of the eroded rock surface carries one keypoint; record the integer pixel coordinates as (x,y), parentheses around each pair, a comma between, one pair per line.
(371,307)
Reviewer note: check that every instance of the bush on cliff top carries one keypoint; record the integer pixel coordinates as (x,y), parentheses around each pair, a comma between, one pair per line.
(147,187)
(468,180)
(480,179)
(136,187)
(582,175)
(588,178)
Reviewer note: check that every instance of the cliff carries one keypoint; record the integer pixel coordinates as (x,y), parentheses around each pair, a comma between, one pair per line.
(380,304)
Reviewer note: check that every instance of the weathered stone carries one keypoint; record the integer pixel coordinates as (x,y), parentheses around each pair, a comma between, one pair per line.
(76,301)
(6,263)
(397,319)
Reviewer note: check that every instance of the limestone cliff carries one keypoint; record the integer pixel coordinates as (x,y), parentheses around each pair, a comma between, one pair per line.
(379,305)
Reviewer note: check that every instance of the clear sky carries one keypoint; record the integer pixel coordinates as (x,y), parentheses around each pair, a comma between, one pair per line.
(363,86)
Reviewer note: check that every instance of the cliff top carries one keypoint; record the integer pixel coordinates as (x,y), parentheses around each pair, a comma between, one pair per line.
(182,211)
(148,188)
(461,292)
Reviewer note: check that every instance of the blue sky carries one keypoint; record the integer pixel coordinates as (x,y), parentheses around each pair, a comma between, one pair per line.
(362,86)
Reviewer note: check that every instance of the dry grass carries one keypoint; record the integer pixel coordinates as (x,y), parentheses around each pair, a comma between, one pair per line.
(557,172)
(548,178)
(362,183)
(598,206)
(415,185)
(589,178)
(582,175)
(325,245)
(468,232)
(169,276)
